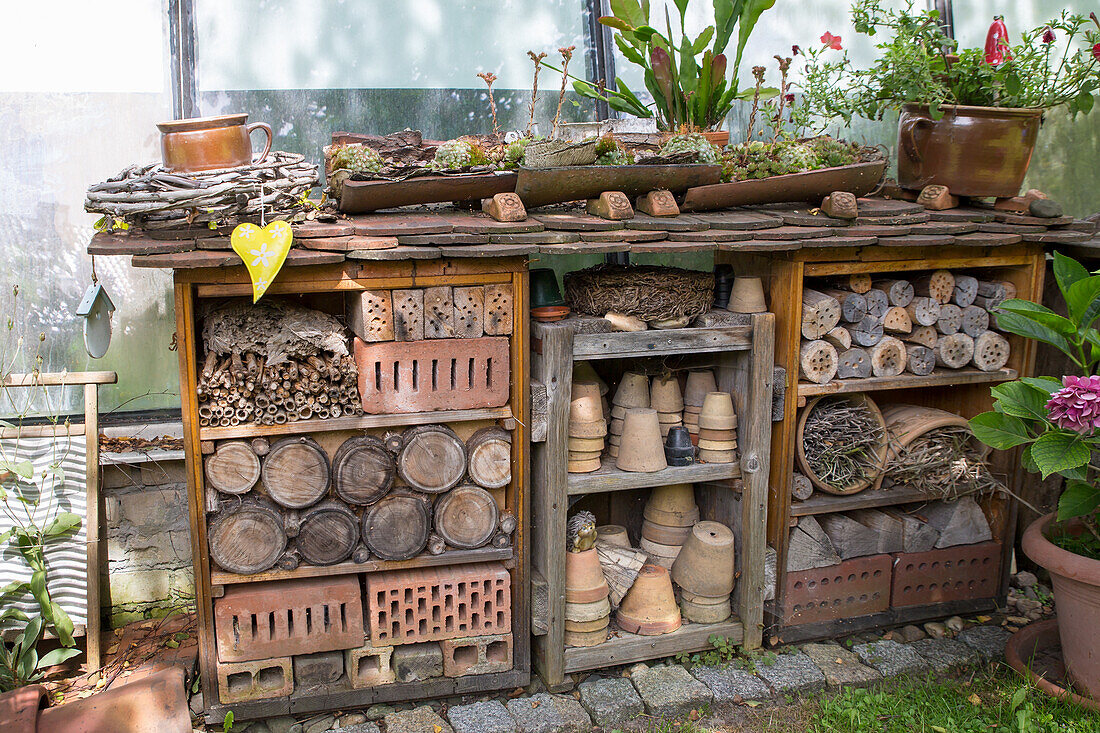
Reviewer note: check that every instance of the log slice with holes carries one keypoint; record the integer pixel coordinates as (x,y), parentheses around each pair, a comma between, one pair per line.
(888,357)
(296,472)
(820,313)
(489,457)
(898,292)
(817,361)
(950,320)
(853,306)
(432,458)
(248,537)
(877,303)
(327,533)
(991,351)
(924,311)
(234,468)
(966,289)
(397,527)
(975,320)
(938,285)
(363,470)
(954,351)
(920,360)
(854,364)
(466,517)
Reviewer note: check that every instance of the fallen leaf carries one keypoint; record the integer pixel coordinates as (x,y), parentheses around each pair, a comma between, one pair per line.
(535,703)
(437,728)
(752,703)
(693,715)
(974,699)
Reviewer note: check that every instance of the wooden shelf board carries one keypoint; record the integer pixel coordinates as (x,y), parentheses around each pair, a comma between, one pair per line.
(609,478)
(628,648)
(452,557)
(661,342)
(938,378)
(837,628)
(822,503)
(357,422)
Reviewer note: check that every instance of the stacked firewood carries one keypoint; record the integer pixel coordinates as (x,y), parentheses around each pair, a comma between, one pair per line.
(856,326)
(238,389)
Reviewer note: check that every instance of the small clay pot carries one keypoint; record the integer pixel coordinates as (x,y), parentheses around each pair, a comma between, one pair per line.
(672,505)
(670,418)
(616,426)
(585,638)
(709,434)
(716,445)
(717,456)
(617,413)
(544,288)
(594,429)
(583,372)
(705,565)
(700,382)
(613,534)
(649,607)
(665,395)
(584,404)
(659,553)
(641,448)
(586,627)
(663,534)
(550,313)
(585,444)
(633,391)
(584,455)
(747,296)
(705,613)
(587,465)
(587,611)
(584,581)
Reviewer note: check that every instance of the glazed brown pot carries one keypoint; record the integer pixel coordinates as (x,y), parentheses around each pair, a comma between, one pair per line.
(974,151)
(210,143)
(1076,581)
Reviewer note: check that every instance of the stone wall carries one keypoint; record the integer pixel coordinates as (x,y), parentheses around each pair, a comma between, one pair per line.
(146,570)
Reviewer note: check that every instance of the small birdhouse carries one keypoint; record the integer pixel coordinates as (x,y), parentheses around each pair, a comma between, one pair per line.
(96,308)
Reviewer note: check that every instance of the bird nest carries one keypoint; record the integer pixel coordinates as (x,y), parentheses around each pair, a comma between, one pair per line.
(648,292)
(153,198)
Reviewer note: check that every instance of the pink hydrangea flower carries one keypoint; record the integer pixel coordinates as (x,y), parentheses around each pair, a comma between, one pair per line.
(1077,405)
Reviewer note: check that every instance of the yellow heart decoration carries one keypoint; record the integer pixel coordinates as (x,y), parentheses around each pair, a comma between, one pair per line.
(264,251)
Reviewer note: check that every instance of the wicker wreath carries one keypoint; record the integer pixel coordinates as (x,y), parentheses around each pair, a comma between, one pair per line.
(648,292)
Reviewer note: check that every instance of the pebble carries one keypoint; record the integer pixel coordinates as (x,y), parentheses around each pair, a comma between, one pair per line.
(935,629)
(352,719)
(318,725)
(1026,605)
(955,624)
(1045,208)
(912,633)
(379,711)
(1017,620)
(282,724)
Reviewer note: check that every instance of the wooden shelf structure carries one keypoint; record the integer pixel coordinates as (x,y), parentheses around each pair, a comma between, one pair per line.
(734,493)
(964,391)
(324,285)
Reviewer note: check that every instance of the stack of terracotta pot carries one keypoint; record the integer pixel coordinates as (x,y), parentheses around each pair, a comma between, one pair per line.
(633,392)
(587,428)
(583,372)
(704,570)
(665,397)
(669,515)
(642,450)
(649,607)
(717,429)
(587,610)
(699,384)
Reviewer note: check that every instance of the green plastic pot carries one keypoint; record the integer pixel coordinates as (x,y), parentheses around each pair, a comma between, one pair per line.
(544,288)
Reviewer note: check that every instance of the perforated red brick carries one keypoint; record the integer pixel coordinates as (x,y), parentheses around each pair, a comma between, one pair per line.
(437,374)
(258,680)
(950,574)
(853,588)
(287,617)
(477,655)
(432,604)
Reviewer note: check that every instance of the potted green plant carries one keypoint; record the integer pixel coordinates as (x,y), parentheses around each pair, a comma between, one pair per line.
(969,117)
(1057,422)
(686,77)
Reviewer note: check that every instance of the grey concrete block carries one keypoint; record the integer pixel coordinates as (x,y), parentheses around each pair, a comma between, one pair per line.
(670,691)
(486,716)
(890,658)
(610,701)
(418,662)
(840,666)
(793,672)
(545,713)
(418,720)
(989,641)
(943,654)
(731,685)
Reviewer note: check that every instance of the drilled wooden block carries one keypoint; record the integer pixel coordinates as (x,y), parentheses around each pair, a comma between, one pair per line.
(370,315)
(256,680)
(433,604)
(288,617)
(477,655)
(368,665)
(498,310)
(439,313)
(408,315)
(440,374)
(469,316)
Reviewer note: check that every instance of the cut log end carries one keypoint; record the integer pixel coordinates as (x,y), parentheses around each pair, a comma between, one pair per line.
(991,352)
(817,361)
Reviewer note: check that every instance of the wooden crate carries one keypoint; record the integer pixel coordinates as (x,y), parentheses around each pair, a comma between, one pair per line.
(965,392)
(733,493)
(324,286)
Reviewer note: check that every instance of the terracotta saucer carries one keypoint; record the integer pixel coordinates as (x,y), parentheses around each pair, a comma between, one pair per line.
(549,313)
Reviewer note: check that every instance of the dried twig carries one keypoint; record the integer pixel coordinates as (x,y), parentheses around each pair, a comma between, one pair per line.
(840,441)
(566,54)
(946,462)
(489,77)
(784,65)
(537,59)
(758,74)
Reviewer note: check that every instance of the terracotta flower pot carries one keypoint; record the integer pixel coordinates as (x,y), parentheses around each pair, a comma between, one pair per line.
(705,610)
(579,445)
(1076,581)
(700,383)
(664,534)
(585,638)
(584,581)
(718,412)
(583,372)
(633,391)
(613,534)
(747,296)
(672,505)
(659,553)
(587,611)
(665,396)
(584,404)
(705,564)
(649,607)
(641,449)
(974,151)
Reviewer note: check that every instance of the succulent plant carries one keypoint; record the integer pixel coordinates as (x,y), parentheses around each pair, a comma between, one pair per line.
(694,143)
(356,158)
(758,159)
(455,155)
(513,154)
(617,156)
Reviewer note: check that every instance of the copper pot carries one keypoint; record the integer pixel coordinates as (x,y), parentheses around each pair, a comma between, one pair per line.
(210,143)
(974,151)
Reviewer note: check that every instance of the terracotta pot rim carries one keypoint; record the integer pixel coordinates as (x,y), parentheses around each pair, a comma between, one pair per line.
(1033,636)
(203,123)
(978,111)
(1056,560)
